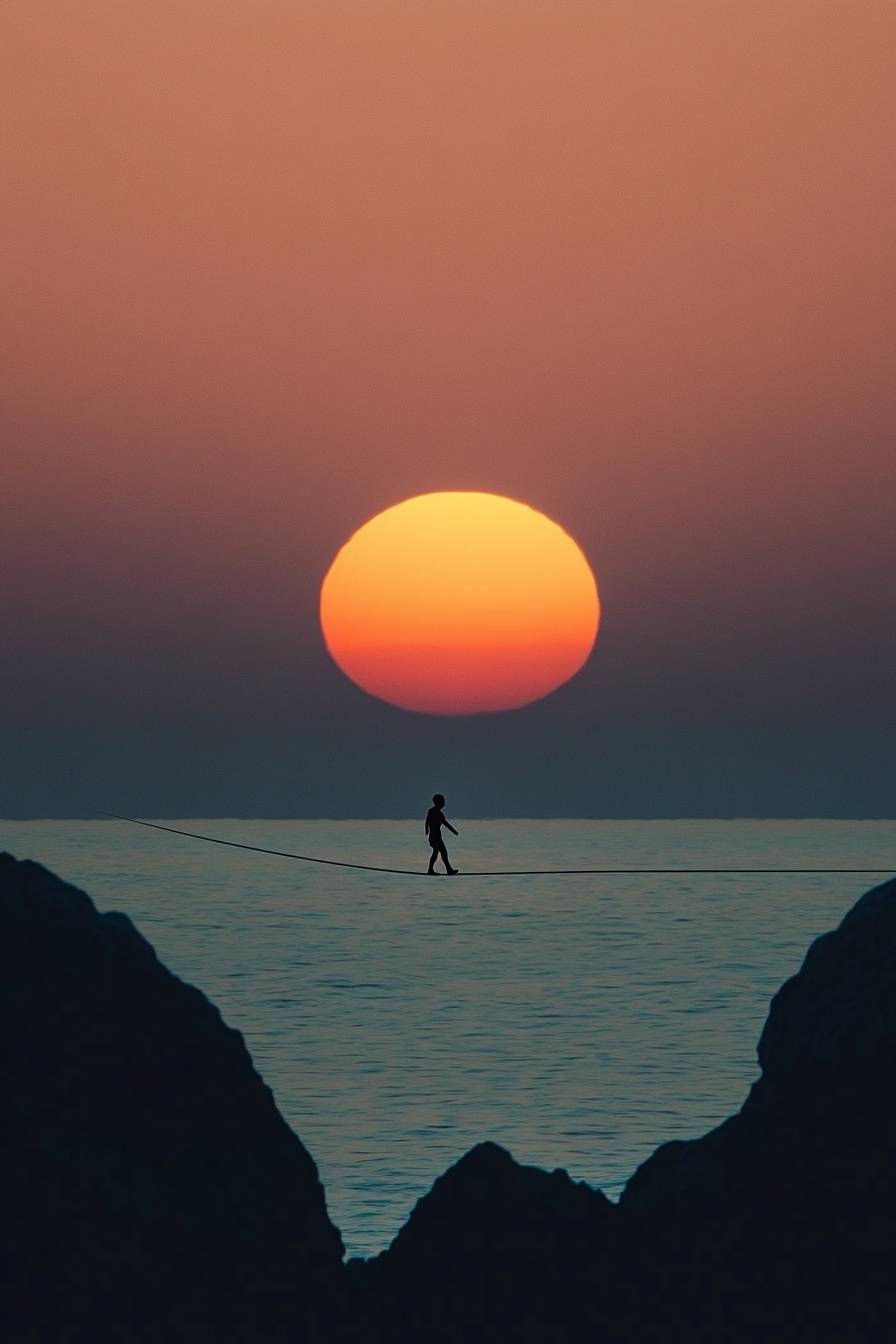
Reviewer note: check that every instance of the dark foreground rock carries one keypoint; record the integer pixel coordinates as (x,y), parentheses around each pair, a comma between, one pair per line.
(494,1251)
(150,1189)
(778,1226)
(781,1223)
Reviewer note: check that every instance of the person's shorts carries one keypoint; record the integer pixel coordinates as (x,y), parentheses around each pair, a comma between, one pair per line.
(435,841)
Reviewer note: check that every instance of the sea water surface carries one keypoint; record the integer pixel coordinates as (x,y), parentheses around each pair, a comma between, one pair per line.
(580,1021)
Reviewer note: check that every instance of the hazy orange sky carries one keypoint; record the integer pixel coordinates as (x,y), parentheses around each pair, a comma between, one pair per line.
(269,268)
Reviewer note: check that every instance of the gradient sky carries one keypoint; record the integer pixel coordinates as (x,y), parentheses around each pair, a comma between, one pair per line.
(271,267)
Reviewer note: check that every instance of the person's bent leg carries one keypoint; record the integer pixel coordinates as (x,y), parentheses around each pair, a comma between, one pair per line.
(443,850)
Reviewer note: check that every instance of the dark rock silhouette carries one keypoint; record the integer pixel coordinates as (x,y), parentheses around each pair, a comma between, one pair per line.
(493,1251)
(787,1212)
(151,1191)
(150,1188)
(780,1225)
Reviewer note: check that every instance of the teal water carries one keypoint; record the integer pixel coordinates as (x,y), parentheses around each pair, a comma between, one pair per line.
(580,1021)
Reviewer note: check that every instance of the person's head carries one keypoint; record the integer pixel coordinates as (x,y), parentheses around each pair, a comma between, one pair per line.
(439,799)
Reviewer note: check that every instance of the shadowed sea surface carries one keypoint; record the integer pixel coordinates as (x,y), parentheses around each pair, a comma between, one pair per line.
(580,1021)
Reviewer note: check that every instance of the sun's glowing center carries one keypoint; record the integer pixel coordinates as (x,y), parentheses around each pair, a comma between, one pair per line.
(459,603)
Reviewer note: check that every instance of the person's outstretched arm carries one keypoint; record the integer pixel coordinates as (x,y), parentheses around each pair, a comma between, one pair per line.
(451,828)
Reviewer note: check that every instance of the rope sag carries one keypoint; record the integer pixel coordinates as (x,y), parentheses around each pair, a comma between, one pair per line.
(497,872)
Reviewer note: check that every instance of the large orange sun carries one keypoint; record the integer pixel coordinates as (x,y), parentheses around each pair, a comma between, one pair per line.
(459,603)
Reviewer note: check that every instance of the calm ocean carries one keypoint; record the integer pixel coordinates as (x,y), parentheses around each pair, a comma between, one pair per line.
(580,1021)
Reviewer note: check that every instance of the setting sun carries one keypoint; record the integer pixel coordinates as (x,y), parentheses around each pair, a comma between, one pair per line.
(459,603)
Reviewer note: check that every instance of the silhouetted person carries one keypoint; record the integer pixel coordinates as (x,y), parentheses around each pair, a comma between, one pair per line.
(435,820)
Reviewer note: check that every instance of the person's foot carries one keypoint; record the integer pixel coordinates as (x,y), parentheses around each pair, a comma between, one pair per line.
(430,872)
(452,871)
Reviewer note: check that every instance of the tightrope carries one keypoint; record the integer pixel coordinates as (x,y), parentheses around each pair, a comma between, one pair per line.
(494,872)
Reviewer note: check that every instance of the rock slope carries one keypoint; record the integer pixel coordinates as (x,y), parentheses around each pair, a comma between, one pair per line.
(781,1223)
(150,1188)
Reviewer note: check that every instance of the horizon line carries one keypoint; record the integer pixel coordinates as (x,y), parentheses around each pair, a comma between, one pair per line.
(200,816)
